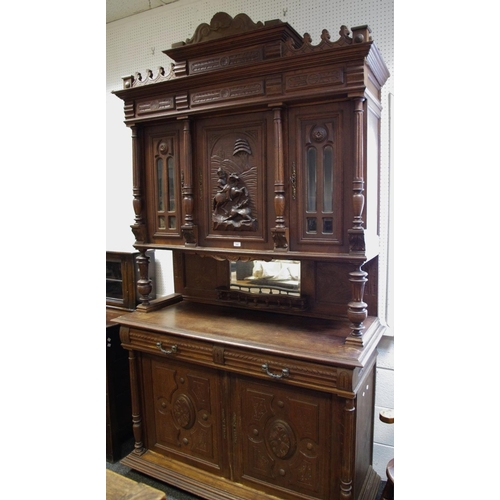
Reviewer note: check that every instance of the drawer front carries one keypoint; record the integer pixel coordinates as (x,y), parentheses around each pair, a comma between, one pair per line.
(252,362)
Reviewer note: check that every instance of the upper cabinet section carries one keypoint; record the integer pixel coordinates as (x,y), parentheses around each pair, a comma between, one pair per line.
(257,141)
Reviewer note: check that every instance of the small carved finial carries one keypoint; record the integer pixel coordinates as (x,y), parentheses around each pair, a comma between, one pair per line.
(138,77)
(161,70)
(325,35)
(307,38)
(344,31)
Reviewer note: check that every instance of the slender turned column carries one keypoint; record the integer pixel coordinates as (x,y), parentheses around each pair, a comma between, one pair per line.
(358,198)
(144,285)
(356,309)
(136,411)
(346,471)
(188,228)
(280,232)
(139,227)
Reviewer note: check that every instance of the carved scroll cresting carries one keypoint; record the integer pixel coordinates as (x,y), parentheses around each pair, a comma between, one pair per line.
(360,34)
(137,79)
(222,24)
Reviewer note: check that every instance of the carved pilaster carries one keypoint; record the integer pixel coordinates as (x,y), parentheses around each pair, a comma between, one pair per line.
(346,472)
(280,232)
(356,234)
(189,230)
(139,227)
(144,284)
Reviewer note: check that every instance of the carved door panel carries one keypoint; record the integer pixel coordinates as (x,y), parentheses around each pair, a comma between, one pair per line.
(282,436)
(162,146)
(319,161)
(183,413)
(234,180)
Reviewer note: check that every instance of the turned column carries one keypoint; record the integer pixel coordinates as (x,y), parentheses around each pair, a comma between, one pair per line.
(346,471)
(188,228)
(357,308)
(139,227)
(144,284)
(356,234)
(136,408)
(280,232)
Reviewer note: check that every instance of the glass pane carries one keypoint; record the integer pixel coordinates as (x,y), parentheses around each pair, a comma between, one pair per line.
(172,222)
(311,225)
(171,190)
(311,180)
(161,222)
(159,183)
(259,276)
(328,179)
(328,225)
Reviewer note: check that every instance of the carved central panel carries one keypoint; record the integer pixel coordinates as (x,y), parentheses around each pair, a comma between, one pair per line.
(234,181)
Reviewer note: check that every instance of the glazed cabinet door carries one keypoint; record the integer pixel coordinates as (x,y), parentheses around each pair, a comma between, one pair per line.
(162,156)
(282,438)
(183,413)
(320,152)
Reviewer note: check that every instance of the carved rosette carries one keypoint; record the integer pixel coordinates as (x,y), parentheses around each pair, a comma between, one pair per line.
(280,439)
(184,412)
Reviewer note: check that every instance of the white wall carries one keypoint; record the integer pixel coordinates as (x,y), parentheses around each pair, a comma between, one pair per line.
(135,44)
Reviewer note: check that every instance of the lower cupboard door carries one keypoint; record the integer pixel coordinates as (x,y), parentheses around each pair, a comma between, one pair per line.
(282,435)
(182,403)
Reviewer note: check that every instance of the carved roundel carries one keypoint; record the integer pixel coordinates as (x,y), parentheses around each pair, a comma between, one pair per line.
(184,412)
(318,134)
(281,439)
(163,148)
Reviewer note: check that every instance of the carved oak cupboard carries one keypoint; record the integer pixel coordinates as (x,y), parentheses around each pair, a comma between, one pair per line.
(255,160)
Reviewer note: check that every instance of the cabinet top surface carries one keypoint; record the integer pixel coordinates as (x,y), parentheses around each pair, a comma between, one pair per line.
(304,338)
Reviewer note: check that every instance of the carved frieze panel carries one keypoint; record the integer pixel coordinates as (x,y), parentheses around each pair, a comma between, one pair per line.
(310,79)
(155,105)
(249,88)
(227,60)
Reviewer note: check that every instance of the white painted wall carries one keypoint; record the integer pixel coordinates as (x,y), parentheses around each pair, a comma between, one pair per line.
(135,44)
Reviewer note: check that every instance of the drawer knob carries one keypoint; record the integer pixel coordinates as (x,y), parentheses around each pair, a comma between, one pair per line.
(285,372)
(173,349)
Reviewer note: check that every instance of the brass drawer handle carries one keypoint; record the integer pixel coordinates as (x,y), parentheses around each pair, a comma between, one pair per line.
(173,350)
(285,372)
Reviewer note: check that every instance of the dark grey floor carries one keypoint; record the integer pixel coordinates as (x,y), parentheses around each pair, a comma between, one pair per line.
(171,492)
